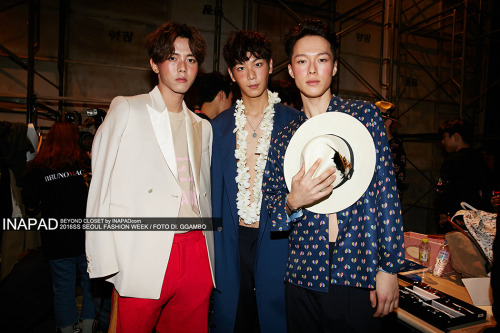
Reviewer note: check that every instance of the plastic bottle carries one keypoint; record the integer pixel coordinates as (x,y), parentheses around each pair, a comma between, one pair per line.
(441,260)
(424,252)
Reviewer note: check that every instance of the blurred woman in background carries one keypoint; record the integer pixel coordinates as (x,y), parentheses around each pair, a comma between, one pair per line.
(55,188)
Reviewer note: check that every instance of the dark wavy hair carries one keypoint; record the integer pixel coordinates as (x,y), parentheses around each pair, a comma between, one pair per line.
(211,84)
(239,43)
(310,27)
(160,43)
(60,149)
(460,126)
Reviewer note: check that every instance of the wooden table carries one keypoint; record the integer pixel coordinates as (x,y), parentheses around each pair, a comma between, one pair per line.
(452,285)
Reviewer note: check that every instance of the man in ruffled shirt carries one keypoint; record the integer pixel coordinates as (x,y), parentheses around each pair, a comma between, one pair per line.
(341,271)
(250,262)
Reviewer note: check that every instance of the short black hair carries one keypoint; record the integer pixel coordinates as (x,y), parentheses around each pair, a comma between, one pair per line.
(460,126)
(288,93)
(239,43)
(211,84)
(160,43)
(310,27)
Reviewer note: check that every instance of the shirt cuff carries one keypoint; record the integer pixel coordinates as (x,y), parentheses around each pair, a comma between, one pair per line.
(295,215)
(383,270)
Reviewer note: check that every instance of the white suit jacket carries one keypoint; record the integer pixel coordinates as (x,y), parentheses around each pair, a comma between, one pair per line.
(134,174)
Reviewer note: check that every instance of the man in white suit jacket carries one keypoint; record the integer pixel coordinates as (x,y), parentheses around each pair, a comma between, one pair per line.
(135,160)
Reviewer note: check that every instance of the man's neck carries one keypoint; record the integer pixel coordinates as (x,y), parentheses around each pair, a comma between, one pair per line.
(172,100)
(255,105)
(210,109)
(461,145)
(316,105)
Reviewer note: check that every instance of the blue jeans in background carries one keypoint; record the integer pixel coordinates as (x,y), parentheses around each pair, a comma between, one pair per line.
(63,273)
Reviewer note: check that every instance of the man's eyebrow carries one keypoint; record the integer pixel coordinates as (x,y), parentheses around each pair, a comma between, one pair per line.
(318,54)
(189,55)
(242,62)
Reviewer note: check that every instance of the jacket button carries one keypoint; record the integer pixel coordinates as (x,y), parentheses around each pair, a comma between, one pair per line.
(150,190)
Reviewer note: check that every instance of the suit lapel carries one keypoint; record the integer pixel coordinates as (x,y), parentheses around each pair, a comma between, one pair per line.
(228,161)
(194,139)
(278,123)
(158,116)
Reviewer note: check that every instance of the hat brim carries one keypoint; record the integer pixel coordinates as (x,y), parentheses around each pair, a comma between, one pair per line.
(396,123)
(361,142)
(384,105)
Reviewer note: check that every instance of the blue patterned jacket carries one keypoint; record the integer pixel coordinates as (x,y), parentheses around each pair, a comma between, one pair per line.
(370,231)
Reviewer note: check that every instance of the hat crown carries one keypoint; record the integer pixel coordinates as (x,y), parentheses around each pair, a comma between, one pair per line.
(333,151)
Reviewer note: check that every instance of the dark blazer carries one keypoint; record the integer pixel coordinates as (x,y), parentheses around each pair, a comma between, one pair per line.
(272,250)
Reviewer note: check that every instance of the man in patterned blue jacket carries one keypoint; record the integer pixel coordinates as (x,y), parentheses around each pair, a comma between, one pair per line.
(341,271)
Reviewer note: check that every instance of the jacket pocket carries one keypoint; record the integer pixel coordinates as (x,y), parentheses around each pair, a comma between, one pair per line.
(118,210)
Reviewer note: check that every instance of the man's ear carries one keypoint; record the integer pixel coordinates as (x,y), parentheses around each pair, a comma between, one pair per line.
(231,74)
(290,71)
(334,70)
(154,66)
(220,95)
(456,137)
(270,66)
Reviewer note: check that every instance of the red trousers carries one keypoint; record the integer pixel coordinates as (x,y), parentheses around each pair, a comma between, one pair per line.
(184,298)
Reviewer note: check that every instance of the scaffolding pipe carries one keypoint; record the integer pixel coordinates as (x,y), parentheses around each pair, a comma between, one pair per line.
(19,61)
(217,35)
(385,61)
(61,52)
(12,6)
(424,98)
(414,31)
(430,18)
(316,11)
(34,7)
(354,26)
(290,12)
(356,11)
(360,78)
(431,76)
(393,48)
(417,201)
(248,15)
(462,65)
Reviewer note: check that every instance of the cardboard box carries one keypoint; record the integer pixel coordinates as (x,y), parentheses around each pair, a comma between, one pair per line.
(413,241)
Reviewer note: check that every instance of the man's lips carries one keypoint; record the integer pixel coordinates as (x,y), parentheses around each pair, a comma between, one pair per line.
(312,82)
(181,79)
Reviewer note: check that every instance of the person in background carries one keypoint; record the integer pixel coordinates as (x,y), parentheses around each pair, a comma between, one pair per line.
(288,93)
(215,94)
(250,262)
(398,152)
(151,158)
(464,174)
(55,188)
(495,267)
(341,270)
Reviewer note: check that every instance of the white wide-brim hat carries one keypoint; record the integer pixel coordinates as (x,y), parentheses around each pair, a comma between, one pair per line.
(342,141)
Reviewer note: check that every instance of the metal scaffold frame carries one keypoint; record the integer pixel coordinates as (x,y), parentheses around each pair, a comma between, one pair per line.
(32,101)
(450,28)
(394,52)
